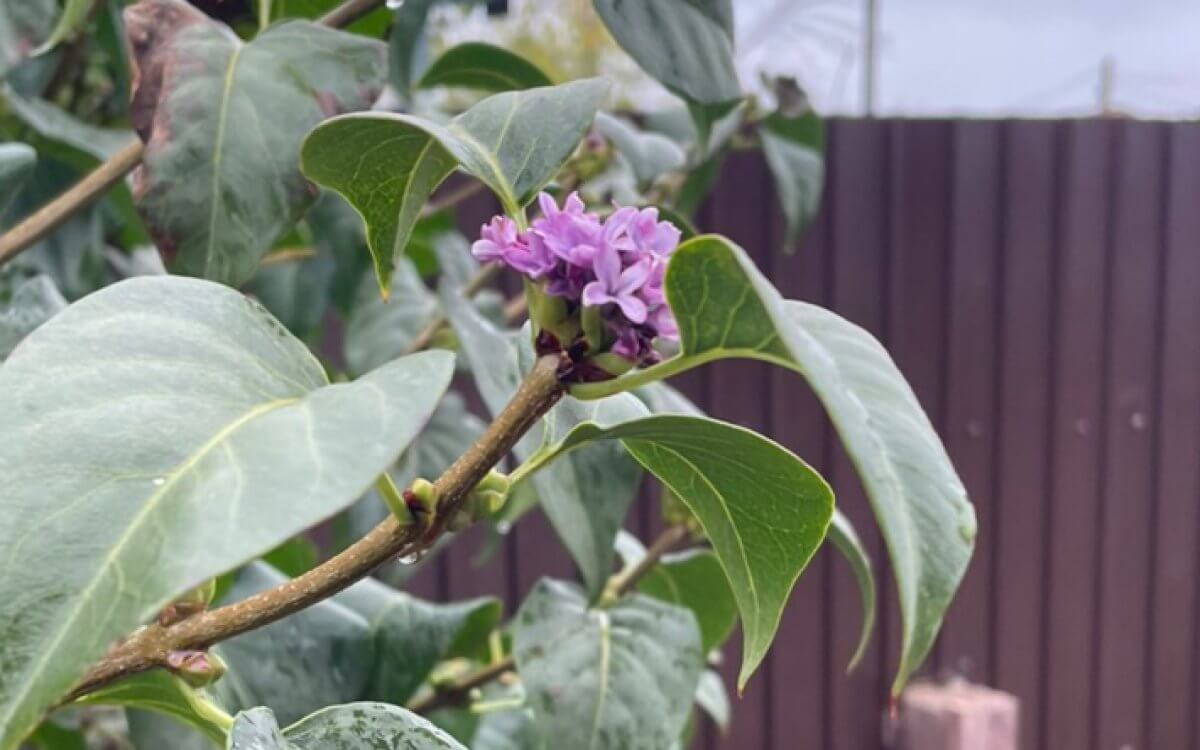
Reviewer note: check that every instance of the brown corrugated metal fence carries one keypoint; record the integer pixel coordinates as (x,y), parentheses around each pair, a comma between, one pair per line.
(1039,284)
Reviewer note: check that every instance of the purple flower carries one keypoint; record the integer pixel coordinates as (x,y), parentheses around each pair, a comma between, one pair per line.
(526,253)
(616,285)
(650,235)
(571,233)
(615,265)
(495,237)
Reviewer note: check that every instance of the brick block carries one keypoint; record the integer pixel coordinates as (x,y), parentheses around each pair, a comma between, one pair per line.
(957,716)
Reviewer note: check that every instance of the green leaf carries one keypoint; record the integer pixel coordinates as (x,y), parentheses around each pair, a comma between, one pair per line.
(370,642)
(150,730)
(70,22)
(506,730)
(764,510)
(726,308)
(183,424)
(687,45)
(587,495)
(294,557)
(296,291)
(450,432)
(387,165)
(160,691)
(408,45)
(220,180)
(379,330)
(694,580)
(23,26)
(794,148)
(649,154)
(51,736)
(16,165)
(412,636)
(712,698)
(842,533)
(609,678)
(32,301)
(355,726)
(486,67)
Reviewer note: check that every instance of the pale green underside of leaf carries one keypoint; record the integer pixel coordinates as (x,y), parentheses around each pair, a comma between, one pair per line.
(686,45)
(221,180)
(764,510)
(846,539)
(355,726)
(387,165)
(726,308)
(619,677)
(153,435)
(485,67)
(33,301)
(650,155)
(794,150)
(70,21)
(23,26)
(58,125)
(16,164)
(164,693)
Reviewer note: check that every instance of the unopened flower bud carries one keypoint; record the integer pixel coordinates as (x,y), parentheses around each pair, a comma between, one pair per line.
(196,668)
(425,494)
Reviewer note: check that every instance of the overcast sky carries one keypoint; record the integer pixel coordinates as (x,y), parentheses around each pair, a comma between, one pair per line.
(984,57)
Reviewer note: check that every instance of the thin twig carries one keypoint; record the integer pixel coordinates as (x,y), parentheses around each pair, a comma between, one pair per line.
(622,582)
(50,216)
(41,222)
(618,585)
(287,255)
(149,647)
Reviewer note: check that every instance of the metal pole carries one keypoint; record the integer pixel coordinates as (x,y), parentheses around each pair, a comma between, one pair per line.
(870,47)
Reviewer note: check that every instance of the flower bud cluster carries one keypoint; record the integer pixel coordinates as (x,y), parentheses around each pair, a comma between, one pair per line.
(597,280)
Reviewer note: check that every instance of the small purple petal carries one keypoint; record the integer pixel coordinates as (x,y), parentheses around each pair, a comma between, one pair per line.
(632,308)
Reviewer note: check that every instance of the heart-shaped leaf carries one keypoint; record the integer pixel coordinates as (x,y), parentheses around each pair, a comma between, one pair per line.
(183,432)
(355,726)
(618,677)
(764,510)
(795,152)
(222,122)
(726,308)
(482,66)
(387,165)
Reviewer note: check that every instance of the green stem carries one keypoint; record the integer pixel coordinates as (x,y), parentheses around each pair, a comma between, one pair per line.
(393,499)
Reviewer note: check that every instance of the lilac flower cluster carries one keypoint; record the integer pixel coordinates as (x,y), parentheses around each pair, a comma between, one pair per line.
(615,265)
